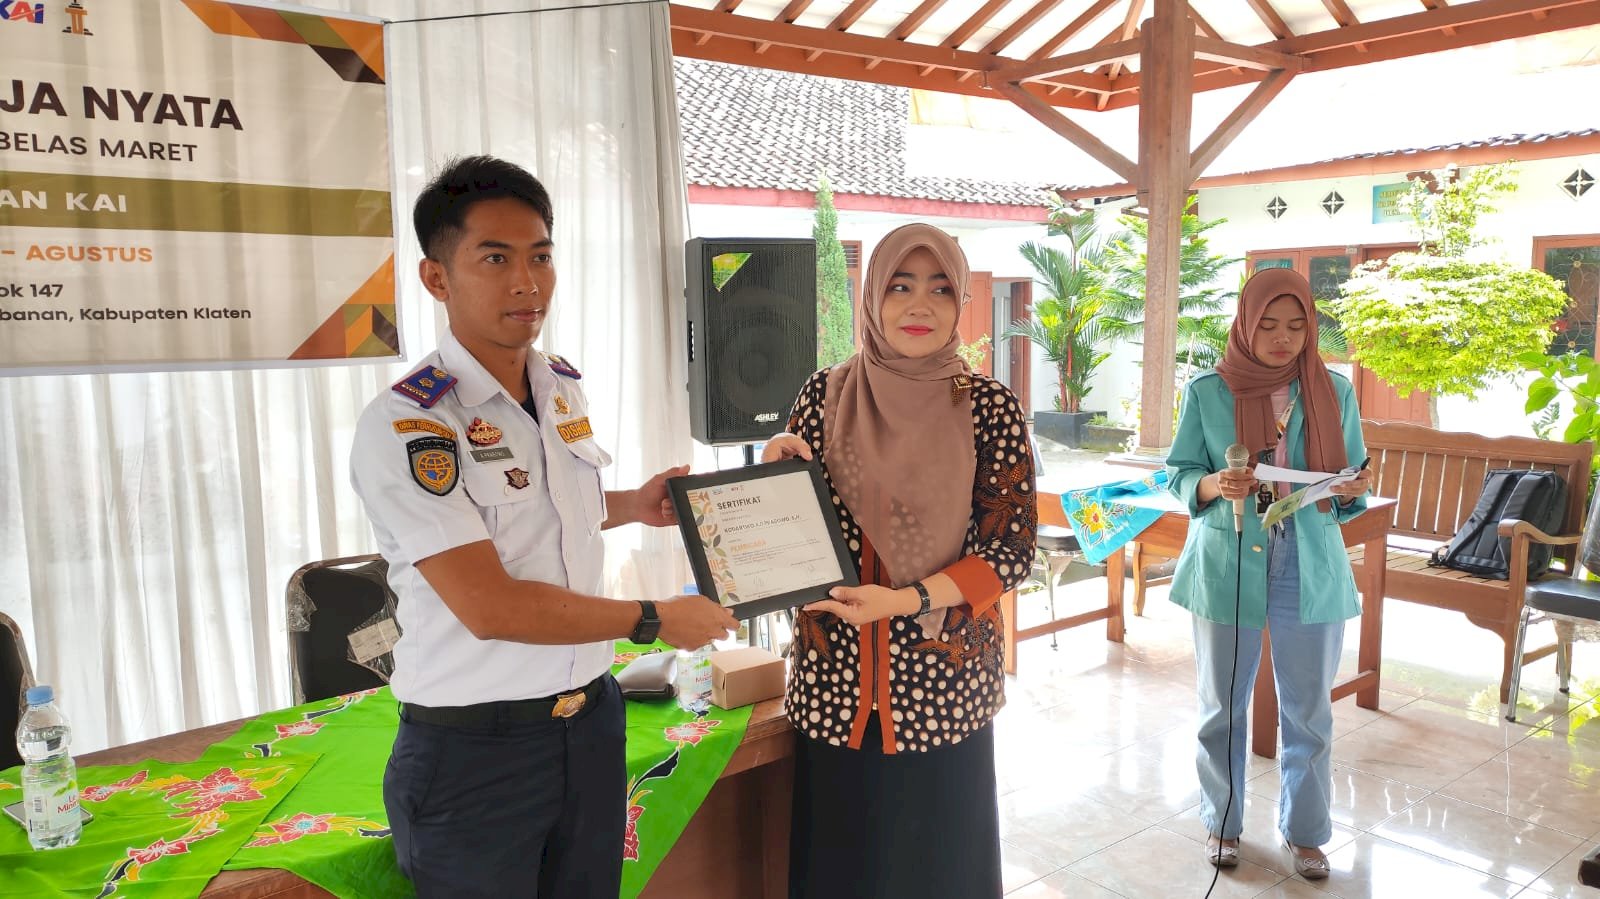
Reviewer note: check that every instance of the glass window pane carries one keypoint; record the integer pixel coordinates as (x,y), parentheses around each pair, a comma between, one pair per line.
(1578,270)
(1264,262)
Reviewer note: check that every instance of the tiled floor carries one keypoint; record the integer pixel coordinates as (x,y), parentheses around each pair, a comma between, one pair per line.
(1434,795)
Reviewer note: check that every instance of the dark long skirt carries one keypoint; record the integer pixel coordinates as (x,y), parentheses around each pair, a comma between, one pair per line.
(921,825)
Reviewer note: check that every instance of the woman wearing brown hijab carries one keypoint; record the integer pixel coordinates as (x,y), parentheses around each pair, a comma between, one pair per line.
(1272,394)
(893,685)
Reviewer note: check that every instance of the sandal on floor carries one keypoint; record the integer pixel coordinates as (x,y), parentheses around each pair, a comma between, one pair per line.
(1312,868)
(1222,853)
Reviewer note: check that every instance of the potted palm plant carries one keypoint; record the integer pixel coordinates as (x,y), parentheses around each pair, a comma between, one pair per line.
(1067,323)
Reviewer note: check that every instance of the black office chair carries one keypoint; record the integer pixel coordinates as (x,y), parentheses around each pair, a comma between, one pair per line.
(342,626)
(16,676)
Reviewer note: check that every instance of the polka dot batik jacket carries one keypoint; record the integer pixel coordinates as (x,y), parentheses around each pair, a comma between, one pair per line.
(931,690)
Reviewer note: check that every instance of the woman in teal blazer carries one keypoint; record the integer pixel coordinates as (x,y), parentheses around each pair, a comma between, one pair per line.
(1272,394)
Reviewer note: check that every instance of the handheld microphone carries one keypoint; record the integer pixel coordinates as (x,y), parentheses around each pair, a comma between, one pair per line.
(1238,457)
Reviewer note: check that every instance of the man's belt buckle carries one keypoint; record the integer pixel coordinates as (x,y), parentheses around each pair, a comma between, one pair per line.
(569,704)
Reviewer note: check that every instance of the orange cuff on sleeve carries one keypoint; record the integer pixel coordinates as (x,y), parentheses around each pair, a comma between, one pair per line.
(978,583)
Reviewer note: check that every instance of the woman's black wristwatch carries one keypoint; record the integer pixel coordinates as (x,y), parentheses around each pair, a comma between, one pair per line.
(922,593)
(644,633)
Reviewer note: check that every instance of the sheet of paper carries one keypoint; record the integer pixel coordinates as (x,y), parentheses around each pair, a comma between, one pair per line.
(1265,472)
(1305,496)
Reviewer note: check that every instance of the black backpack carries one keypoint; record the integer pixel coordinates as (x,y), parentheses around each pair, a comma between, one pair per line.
(1537,497)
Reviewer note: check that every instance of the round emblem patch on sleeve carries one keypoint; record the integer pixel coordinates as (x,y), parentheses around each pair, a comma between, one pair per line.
(433,464)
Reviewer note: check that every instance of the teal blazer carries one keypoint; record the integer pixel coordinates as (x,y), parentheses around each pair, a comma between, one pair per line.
(1204,581)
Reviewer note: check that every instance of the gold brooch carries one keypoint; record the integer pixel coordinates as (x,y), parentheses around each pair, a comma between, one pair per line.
(958,385)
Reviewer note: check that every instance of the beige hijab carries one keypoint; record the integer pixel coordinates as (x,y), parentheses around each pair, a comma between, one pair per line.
(899,443)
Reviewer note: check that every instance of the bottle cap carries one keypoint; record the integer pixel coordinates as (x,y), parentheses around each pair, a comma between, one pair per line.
(41,694)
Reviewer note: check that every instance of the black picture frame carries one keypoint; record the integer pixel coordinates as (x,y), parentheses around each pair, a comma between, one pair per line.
(699,563)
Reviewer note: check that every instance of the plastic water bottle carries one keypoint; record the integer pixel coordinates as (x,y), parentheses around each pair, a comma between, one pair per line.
(49,778)
(694,674)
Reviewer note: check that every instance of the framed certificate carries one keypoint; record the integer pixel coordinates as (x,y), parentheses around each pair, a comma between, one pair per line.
(762,537)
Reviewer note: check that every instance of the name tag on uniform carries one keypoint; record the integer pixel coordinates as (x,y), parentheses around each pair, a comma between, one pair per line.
(493,454)
(575,430)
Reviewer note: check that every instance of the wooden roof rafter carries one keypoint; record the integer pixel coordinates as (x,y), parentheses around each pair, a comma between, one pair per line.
(909,25)
(909,55)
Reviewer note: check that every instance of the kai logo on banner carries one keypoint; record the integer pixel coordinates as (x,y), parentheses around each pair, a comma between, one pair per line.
(22,11)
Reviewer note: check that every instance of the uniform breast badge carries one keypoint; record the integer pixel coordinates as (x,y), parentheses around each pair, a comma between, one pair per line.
(561,406)
(481,433)
(517,478)
(426,385)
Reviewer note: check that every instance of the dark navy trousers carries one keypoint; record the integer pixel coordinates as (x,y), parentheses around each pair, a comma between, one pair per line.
(512,809)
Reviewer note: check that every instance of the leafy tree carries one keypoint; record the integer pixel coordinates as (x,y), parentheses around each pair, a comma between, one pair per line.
(835,337)
(1202,325)
(1451,317)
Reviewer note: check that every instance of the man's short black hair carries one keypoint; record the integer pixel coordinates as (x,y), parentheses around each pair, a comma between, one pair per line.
(441,209)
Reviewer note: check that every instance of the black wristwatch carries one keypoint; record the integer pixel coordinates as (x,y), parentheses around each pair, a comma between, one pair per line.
(644,633)
(922,593)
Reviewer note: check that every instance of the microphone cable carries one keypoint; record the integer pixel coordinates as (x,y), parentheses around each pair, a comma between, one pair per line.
(1233,683)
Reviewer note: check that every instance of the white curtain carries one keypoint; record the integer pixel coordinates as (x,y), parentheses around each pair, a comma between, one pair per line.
(149,522)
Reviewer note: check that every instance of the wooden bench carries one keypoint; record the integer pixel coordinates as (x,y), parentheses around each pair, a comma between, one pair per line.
(1435,477)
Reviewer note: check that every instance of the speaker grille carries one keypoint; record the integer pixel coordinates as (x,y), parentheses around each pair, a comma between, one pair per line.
(753,316)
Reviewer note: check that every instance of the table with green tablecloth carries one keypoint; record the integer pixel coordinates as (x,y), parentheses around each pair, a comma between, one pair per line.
(290,804)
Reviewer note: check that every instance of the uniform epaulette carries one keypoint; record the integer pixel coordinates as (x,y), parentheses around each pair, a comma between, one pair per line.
(561,366)
(426,385)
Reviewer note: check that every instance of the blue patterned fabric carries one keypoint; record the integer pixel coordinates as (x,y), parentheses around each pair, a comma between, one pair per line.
(1106,517)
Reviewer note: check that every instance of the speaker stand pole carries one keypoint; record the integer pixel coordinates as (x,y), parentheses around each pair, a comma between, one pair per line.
(749,454)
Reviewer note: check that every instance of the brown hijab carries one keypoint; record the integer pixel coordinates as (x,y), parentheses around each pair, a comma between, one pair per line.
(899,449)
(1253,381)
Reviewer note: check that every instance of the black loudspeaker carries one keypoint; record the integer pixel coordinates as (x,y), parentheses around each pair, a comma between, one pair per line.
(752,334)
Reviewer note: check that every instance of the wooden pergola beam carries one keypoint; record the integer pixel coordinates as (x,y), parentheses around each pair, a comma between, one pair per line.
(1084,20)
(1481,22)
(1202,26)
(1070,62)
(1130,26)
(1242,55)
(977,20)
(1270,18)
(1341,13)
(1025,21)
(794,10)
(1232,126)
(1053,119)
(846,55)
(850,14)
(912,22)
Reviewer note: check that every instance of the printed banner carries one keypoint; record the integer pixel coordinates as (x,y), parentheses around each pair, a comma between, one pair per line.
(191,183)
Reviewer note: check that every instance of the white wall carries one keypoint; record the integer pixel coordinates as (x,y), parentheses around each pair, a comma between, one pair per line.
(1539,208)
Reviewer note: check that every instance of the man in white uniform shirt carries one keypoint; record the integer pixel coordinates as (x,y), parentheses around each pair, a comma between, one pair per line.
(481,475)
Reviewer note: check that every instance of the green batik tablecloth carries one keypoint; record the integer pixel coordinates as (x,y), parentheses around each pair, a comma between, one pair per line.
(159,829)
(323,817)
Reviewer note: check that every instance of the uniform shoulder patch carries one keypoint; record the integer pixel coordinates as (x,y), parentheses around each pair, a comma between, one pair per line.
(561,366)
(426,385)
(433,464)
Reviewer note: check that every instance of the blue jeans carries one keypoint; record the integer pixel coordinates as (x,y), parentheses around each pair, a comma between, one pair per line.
(1305,658)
